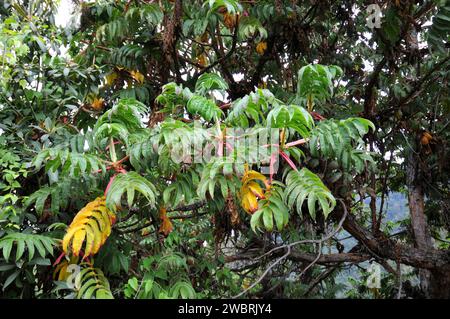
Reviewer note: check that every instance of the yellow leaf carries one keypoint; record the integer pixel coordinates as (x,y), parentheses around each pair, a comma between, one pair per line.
(93,225)
(229,20)
(256,189)
(60,273)
(245,283)
(97,104)
(166,225)
(97,237)
(90,240)
(249,202)
(63,272)
(251,191)
(68,236)
(201,59)
(77,242)
(138,76)
(111,78)
(261,47)
(253,175)
(104,222)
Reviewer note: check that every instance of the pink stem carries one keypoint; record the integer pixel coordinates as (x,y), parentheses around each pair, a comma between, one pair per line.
(228,145)
(110,183)
(299,142)
(115,143)
(58,260)
(273,159)
(288,160)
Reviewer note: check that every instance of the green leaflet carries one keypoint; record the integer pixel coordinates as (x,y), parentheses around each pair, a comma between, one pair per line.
(182,289)
(315,81)
(208,82)
(304,184)
(440,29)
(291,116)
(150,13)
(222,173)
(272,212)
(68,163)
(124,118)
(122,26)
(58,194)
(232,6)
(342,140)
(206,108)
(129,183)
(249,27)
(31,242)
(181,190)
(175,98)
(251,107)
(92,283)
(129,56)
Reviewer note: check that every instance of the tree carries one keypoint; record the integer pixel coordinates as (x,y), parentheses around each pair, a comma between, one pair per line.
(201,149)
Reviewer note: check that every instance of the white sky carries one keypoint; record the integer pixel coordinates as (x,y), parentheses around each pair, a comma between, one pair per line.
(63,15)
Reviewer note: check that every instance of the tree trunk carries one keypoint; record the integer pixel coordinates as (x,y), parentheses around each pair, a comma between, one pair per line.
(440,284)
(435,283)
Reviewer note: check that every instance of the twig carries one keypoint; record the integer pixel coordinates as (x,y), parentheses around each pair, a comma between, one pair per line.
(187,208)
(299,142)
(384,191)
(399,276)
(187,216)
(264,273)
(289,246)
(126,231)
(314,261)
(226,56)
(319,279)
(311,241)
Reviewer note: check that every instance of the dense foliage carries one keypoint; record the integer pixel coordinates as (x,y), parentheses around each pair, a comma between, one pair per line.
(224,148)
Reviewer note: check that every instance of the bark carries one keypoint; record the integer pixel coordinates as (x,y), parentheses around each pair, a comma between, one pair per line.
(298,256)
(419,227)
(433,262)
(440,284)
(416,204)
(171,25)
(436,262)
(384,247)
